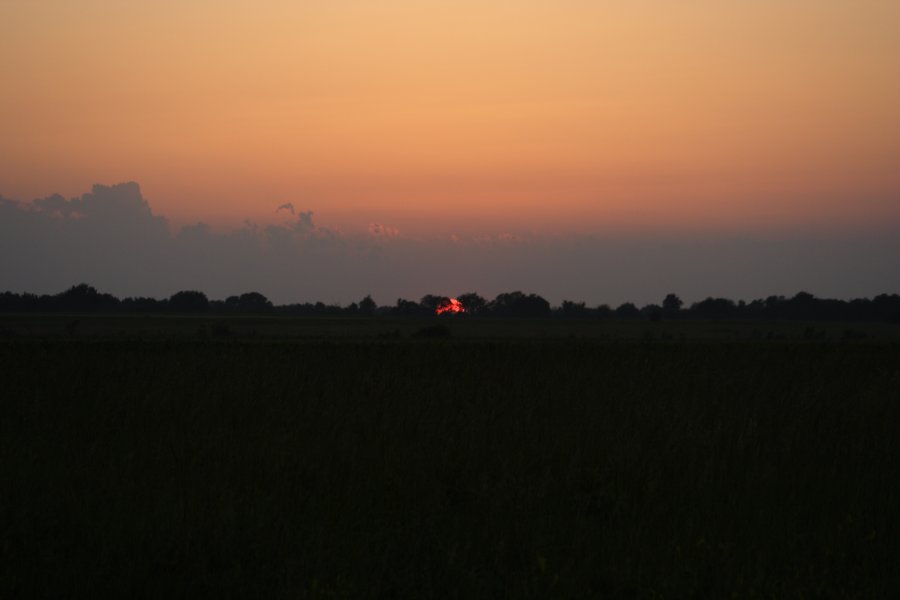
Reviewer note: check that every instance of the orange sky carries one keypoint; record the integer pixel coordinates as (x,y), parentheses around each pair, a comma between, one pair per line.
(437,116)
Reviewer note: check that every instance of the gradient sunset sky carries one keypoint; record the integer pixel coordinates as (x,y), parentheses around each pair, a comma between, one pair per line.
(436,117)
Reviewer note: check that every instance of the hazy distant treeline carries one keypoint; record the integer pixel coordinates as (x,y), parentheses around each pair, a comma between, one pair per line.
(803,306)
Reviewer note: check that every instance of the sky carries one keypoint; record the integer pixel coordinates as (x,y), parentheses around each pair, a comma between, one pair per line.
(642,124)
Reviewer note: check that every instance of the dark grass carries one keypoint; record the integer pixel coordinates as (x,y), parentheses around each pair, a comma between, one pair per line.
(448,468)
(146,327)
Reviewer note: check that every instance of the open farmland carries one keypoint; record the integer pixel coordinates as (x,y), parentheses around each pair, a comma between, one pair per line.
(275,328)
(183,460)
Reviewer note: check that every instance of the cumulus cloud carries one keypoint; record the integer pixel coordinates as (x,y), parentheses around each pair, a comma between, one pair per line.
(111,238)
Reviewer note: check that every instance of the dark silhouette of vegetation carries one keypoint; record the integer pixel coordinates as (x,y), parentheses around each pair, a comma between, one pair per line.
(652,311)
(803,306)
(367,306)
(85,298)
(408,308)
(628,310)
(251,302)
(475,304)
(672,304)
(189,302)
(518,304)
(573,309)
(603,311)
(430,302)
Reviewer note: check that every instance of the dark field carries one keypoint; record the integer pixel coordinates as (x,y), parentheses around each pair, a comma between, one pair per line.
(152,459)
(361,328)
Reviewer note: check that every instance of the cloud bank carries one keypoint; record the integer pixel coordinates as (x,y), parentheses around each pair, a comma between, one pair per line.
(111,239)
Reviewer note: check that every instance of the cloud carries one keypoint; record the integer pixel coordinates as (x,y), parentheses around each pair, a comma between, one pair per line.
(304,222)
(111,238)
(288,206)
(107,235)
(382,231)
(489,239)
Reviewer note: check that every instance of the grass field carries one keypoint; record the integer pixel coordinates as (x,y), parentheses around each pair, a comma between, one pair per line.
(147,327)
(172,461)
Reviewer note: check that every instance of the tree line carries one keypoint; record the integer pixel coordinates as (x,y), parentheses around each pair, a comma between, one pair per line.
(84,298)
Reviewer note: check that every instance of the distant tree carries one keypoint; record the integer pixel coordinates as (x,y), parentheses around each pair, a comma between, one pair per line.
(84,298)
(628,310)
(652,312)
(430,302)
(885,307)
(367,306)
(294,309)
(672,304)
(10,302)
(143,305)
(714,308)
(189,301)
(774,306)
(473,303)
(253,302)
(408,308)
(802,306)
(571,309)
(517,304)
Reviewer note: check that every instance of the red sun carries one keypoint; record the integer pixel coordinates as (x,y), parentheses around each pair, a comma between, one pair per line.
(451,306)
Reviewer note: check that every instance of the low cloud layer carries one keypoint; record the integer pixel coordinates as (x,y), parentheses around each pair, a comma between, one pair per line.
(111,239)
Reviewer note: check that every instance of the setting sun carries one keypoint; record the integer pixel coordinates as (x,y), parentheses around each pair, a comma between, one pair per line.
(450,306)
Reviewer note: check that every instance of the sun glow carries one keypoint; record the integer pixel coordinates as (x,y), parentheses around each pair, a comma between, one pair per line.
(451,306)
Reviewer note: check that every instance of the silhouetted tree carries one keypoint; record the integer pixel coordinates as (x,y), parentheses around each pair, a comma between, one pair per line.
(517,304)
(84,298)
(143,305)
(628,310)
(672,304)
(473,303)
(408,308)
(10,302)
(652,312)
(714,308)
(430,302)
(886,307)
(253,302)
(189,301)
(367,306)
(571,309)
(802,306)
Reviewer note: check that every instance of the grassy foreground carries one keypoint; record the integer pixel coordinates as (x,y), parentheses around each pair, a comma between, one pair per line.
(380,468)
